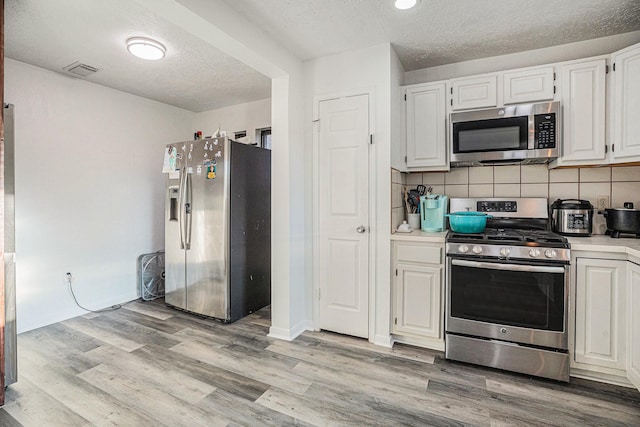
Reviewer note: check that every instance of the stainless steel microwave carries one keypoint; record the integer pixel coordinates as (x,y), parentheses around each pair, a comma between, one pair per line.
(516,134)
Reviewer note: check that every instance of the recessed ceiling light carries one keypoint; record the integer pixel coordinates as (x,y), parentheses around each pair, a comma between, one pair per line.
(145,48)
(405,4)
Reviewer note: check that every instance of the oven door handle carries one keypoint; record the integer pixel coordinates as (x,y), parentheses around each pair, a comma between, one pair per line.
(509,267)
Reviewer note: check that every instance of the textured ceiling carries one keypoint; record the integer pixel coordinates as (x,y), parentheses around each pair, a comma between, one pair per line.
(437,32)
(55,33)
(195,76)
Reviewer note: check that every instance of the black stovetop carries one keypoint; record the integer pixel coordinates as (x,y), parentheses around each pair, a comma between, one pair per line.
(514,237)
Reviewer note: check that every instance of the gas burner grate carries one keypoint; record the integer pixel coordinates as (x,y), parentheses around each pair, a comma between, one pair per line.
(543,239)
(506,237)
(466,236)
(542,236)
(520,237)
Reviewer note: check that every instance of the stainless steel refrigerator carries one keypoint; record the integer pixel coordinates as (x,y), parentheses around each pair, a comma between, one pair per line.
(217,228)
(10,337)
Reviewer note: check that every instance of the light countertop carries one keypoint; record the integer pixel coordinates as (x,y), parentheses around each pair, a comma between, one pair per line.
(601,243)
(597,243)
(420,236)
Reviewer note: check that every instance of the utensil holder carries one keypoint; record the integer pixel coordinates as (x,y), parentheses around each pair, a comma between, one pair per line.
(414,221)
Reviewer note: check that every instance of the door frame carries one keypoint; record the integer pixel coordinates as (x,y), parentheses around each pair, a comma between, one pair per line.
(315,304)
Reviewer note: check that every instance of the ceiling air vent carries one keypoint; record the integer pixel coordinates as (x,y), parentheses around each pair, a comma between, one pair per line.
(81,70)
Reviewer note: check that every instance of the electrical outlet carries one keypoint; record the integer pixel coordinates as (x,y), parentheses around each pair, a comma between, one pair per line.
(602,202)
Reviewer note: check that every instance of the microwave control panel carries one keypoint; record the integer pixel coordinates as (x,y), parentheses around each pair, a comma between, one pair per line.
(545,130)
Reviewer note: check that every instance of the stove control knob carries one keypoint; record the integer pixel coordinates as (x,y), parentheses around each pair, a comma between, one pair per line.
(550,253)
(477,250)
(534,253)
(505,252)
(463,249)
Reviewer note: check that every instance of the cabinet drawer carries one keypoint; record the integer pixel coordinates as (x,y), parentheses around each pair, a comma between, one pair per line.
(418,253)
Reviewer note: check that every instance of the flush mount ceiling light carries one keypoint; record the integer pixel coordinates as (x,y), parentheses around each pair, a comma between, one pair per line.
(145,48)
(405,4)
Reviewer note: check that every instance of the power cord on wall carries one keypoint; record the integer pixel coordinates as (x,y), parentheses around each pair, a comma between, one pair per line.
(69,280)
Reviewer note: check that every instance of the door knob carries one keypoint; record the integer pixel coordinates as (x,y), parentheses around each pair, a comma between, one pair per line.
(361,229)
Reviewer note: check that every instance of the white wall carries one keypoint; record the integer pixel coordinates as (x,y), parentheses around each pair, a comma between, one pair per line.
(215,22)
(291,220)
(397,113)
(363,71)
(566,52)
(249,117)
(89,189)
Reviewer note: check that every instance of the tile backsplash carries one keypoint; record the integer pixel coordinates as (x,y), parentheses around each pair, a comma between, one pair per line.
(620,184)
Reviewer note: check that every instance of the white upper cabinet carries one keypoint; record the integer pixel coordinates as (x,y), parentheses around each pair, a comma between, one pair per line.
(474,92)
(523,85)
(626,105)
(600,118)
(583,92)
(426,126)
(528,85)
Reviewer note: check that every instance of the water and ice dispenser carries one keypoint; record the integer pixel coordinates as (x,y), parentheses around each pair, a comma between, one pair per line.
(173,203)
(433,207)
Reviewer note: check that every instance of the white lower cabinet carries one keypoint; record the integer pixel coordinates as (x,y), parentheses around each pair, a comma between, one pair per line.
(417,294)
(606,332)
(633,310)
(418,300)
(600,313)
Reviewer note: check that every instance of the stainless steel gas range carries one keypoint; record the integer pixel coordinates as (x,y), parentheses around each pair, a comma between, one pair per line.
(507,290)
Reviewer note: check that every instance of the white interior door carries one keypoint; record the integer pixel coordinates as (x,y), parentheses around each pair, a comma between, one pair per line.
(343,219)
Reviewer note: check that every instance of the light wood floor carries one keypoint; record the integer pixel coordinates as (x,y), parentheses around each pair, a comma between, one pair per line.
(149,365)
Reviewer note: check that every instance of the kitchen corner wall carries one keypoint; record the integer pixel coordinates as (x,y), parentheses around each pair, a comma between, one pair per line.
(620,184)
(89,189)
(398,210)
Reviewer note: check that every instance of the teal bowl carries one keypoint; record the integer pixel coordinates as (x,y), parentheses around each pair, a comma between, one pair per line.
(468,222)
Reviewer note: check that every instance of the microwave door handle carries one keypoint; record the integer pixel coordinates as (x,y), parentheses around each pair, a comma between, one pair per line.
(181,206)
(508,267)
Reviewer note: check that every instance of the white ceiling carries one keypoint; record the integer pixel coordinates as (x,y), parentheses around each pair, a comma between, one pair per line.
(437,32)
(195,76)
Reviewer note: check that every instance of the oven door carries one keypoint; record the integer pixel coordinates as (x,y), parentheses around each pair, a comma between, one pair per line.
(514,302)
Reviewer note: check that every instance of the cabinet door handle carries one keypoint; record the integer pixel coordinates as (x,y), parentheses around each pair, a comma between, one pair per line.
(361,229)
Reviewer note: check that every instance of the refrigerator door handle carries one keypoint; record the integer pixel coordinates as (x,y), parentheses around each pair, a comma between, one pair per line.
(187,206)
(181,206)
